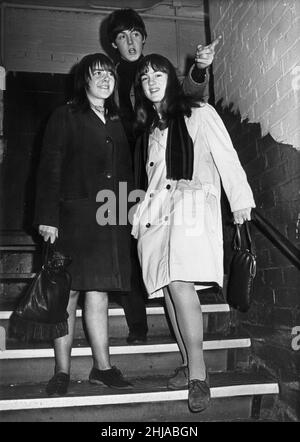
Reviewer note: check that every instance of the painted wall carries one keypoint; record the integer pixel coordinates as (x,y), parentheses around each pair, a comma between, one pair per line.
(40,44)
(52,39)
(257,65)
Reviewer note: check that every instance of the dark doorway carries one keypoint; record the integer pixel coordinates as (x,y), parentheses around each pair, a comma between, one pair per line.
(28,101)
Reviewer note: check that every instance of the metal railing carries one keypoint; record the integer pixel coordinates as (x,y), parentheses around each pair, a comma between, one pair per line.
(277,238)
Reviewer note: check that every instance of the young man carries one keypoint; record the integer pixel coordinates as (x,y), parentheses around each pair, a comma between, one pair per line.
(127,34)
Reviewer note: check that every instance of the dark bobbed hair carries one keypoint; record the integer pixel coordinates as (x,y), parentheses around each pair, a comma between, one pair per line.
(124,19)
(82,75)
(174,103)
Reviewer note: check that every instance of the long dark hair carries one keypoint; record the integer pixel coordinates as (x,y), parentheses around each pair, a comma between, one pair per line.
(82,75)
(175,102)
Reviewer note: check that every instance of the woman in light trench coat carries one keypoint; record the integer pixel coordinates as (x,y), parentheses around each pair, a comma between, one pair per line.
(180,158)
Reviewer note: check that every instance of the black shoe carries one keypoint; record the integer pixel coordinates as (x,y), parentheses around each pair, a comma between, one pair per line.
(199,395)
(134,338)
(58,384)
(111,378)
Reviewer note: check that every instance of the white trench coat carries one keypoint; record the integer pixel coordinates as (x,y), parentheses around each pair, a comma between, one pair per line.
(178,225)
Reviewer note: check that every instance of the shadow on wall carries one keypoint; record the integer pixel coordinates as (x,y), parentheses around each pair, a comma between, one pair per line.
(104,41)
(272,169)
(273,173)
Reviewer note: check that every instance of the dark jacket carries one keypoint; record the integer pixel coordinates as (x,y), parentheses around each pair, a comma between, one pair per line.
(80,157)
(69,169)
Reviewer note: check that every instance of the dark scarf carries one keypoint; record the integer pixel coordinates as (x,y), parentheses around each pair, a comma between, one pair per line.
(179,153)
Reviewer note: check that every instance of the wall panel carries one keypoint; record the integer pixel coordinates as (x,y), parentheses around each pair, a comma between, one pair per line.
(49,40)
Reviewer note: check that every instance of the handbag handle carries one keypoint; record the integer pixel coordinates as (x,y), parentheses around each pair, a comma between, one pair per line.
(47,248)
(238,241)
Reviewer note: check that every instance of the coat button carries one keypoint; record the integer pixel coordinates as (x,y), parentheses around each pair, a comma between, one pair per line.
(166,218)
(151,195)
(151,164)
(168,186)
(108,175)
(148,225)
(108,140)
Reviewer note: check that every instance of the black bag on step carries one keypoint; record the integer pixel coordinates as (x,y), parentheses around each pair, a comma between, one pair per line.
(41,314)
(242,269)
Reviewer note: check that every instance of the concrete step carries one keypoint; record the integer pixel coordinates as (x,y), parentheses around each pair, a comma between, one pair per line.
(158,356)
(216,318)
(18,238)
(235,395)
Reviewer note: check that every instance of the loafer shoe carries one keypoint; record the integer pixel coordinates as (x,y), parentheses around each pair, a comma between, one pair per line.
(199,395)
(58,384)
(111,378)
(180,379)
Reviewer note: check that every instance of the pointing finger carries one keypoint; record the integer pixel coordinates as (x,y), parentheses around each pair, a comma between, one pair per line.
(215,42)
(205,51)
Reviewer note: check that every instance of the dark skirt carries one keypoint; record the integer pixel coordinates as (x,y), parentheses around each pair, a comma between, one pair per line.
(100,254)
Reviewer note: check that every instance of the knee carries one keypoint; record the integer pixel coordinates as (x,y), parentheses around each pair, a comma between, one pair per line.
(96,300)
(176,285)
(181,286)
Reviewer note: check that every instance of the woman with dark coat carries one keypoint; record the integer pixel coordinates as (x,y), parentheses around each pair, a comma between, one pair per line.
(86,156)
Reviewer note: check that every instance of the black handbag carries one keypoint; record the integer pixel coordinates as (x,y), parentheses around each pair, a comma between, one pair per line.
(242,269)
(42,312)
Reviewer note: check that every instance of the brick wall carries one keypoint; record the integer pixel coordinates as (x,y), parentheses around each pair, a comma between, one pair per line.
(256,93)
(257,66)
(273,171)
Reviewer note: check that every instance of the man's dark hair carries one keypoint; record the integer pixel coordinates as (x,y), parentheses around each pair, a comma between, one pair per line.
(124,19)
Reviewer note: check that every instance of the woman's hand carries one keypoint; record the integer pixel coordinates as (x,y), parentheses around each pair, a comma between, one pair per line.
(242,215)
(48,232)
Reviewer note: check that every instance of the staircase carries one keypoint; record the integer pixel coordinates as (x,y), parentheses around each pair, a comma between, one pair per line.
(239,391)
